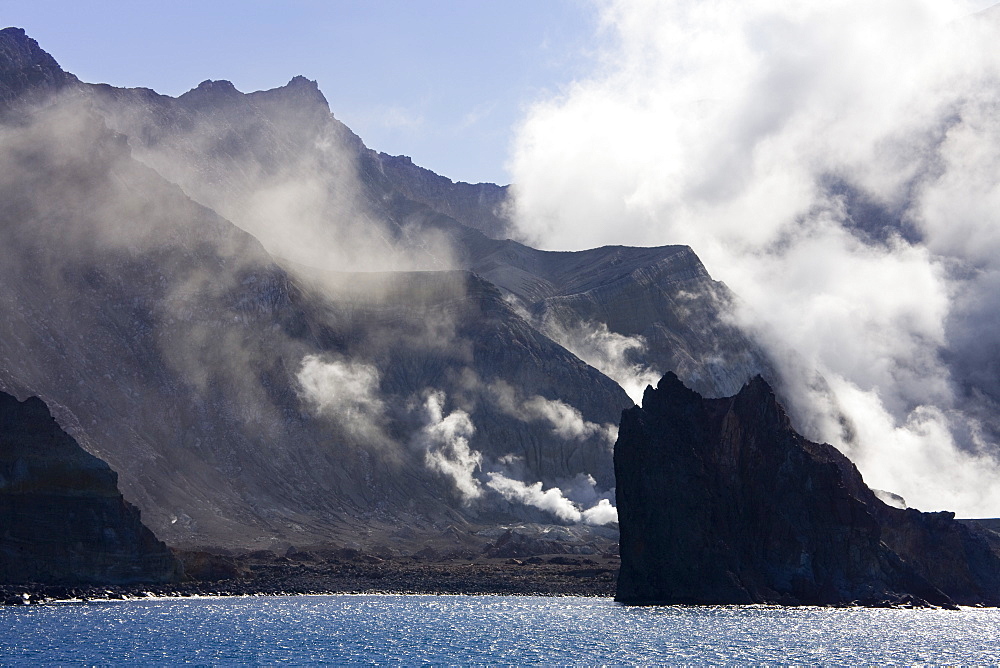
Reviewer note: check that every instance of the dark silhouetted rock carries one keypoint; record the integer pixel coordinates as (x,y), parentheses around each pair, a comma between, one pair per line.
(62,518)
(721,501)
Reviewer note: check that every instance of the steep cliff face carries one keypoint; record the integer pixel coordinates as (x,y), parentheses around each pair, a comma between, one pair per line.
(62,518)
(720,501)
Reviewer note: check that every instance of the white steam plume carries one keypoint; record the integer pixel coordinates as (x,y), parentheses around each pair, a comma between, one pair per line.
(606,351)
(278,165)
(445,439)
(551,500)
(565,421)
(751,130)
(445,442)
(345,391)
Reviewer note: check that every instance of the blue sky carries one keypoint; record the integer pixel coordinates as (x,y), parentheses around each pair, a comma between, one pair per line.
(443,81)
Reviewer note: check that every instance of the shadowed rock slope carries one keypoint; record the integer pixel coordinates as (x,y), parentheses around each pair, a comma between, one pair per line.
(720,501)
(62,518)
(174,348)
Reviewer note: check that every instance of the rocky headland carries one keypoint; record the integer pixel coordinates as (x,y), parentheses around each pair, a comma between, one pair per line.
(721,502)
(62,518)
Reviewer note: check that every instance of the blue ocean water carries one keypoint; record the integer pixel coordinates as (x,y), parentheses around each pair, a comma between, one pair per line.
(483,629)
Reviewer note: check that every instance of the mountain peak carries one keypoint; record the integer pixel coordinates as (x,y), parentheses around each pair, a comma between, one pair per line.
(670,389)
(299,81)
(219,86)
(14,33)
(299,90)
(210,93)
(25,67)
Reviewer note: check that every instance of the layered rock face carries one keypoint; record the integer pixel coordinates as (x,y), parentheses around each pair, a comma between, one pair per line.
(721,501)
(629,311)
(62,518)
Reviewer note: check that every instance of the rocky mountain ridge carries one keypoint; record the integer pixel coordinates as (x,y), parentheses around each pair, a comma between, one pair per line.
(244,406)
(26,70)
(279,337)
(236,152)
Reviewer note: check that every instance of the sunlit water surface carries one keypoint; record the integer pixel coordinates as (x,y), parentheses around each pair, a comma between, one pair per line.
(482,629)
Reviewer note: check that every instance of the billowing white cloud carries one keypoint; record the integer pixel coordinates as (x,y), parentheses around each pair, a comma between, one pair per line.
(606,351)
(566,422)
(776,138)
(445,442)
(601,513)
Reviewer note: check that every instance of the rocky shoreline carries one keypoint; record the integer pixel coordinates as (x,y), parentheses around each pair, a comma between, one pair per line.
(309,573)
(256,574)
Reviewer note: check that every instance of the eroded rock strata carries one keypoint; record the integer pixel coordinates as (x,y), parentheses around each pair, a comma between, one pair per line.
(62,518)
(721,501)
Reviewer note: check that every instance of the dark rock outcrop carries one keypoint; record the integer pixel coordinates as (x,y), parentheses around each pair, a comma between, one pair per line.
(62,518)
(721,501)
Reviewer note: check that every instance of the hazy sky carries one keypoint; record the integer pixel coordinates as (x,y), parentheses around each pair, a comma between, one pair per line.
(443,81)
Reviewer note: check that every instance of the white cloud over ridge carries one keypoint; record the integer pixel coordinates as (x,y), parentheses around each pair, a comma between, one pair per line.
(751,130)
(606,351)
